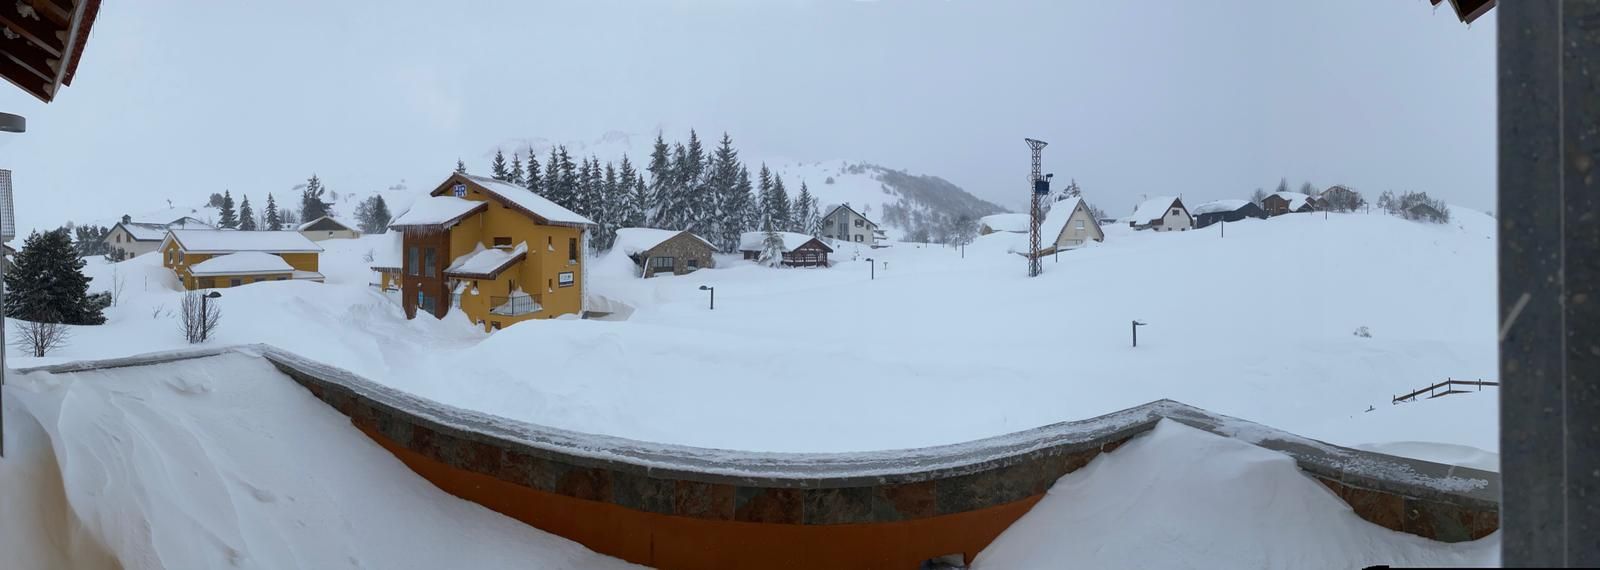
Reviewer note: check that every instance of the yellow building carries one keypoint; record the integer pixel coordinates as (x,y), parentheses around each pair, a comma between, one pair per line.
(209,259)
(498,252)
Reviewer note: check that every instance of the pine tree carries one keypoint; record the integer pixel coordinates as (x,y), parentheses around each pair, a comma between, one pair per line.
(804,211)
(639,204)
(722,186)
(311,204)
(514,175)
(531,180)
(583,201)
(744,208)
(569,180)
(632,202)
(612,208)
(274,223)
(227,218)
(660,170)
(697,204)
(461,167)
(764,197)
(552,177)
(498,167)
(247,216)
(782,218)
(46,284)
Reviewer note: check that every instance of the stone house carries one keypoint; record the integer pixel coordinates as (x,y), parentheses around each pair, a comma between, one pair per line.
(658,252)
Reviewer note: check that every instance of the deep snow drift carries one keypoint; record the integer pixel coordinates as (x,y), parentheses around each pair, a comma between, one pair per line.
(1258,324)
(1184,498)
(224,462)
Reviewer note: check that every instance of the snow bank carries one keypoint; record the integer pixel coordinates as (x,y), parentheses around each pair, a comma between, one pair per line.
(1179,497)
(223,462)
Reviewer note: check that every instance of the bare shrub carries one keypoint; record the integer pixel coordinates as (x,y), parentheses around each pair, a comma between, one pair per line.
(197,326)
(40,338)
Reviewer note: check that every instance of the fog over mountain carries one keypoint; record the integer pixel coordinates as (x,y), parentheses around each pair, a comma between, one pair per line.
(1210,100)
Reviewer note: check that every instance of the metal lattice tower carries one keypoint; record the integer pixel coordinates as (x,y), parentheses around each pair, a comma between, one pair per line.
(1035,215)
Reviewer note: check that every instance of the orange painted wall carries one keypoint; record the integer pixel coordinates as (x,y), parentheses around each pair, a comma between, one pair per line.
(673,542)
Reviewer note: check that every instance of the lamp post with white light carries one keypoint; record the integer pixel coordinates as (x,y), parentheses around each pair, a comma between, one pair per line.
(713,291)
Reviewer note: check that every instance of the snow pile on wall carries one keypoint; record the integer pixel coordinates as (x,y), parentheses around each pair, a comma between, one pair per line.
(1179,497)
(223,462)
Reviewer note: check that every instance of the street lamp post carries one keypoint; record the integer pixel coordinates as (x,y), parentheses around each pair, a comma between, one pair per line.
(205,317)
(713,291)
(1136,325)
(873,265)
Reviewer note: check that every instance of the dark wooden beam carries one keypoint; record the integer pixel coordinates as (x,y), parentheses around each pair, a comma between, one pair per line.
(45,35)
(24,78)
(30,56)
(58,10)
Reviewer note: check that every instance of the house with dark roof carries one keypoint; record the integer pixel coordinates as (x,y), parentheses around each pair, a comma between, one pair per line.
(798,250)
(132,238)
(1226,211)
(1163,214)
(1280,203)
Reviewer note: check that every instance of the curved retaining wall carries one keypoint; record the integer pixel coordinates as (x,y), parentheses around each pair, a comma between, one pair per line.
(674,506)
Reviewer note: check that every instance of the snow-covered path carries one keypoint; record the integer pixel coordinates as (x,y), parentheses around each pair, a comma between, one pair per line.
(225,463)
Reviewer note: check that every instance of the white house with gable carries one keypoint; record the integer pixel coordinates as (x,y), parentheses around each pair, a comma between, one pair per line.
(843,223)
(1068,225)
(1163,214)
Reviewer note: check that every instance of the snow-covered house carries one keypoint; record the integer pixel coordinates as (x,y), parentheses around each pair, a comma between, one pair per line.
(1010,223)
(1226,211)
(208,259)
(1280,203)
(327,228)
(798,250)
(138,238)
(496,251)
(664,251)
(1163,214)
(1068,225)
(845,224)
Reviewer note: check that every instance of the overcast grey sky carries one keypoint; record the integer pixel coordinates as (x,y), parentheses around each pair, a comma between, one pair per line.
(176,99)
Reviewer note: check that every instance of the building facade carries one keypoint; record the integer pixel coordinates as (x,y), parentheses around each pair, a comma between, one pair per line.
(665,252)
(497,252)
(845,224)
(1069,225)
(1164,214)
(214,259)
(797,250)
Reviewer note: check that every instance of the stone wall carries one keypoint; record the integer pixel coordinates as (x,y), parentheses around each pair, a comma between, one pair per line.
(674,506)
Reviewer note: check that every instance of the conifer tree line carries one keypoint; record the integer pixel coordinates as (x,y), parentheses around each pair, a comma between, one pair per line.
(682,186)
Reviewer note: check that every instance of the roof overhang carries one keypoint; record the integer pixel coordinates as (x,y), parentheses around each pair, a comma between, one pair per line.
(42,42)
(1468,10)
(494,273)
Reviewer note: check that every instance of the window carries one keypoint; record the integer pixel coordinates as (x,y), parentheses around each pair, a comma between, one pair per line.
(1174,211)
(1080,224)
(860,223)
(424,302)
(502,242)
(494,325)
(411,260)
(429,262)
(180,257)
(858,237)
(549,243)
(661,262)
(282,278)
(207,283)
(693,264)
(572,250)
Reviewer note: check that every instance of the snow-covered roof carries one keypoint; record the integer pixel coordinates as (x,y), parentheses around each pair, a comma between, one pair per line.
(526,199)
(242,263)
(145,231)
(436,210)
(1219,206)
(488,261)
(1295,199)
(633,241)
(1005,222)
(229,241)
(1153,209)
(757,241)
(1056,220)
(308,225)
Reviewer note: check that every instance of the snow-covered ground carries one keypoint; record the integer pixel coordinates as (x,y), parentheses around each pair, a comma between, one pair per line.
(1258,324)
(1185,498)
(225,463)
